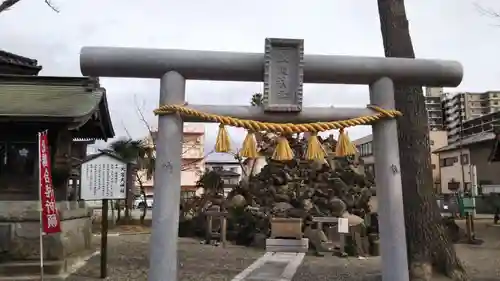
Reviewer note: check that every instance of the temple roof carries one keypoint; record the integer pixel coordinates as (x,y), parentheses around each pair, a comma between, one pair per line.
(79,101)
(15,64)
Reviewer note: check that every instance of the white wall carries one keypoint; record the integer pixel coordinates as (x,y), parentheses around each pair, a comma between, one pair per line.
(454,172)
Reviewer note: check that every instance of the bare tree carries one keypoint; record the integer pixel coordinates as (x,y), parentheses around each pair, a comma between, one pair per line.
(152,138)
(146,175)
(143,193)
(429,248)
(7,4)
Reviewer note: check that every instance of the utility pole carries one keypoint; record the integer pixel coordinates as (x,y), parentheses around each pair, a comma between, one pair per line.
(468,219)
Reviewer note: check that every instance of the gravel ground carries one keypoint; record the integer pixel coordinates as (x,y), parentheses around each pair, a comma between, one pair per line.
(128,260)
(482,262)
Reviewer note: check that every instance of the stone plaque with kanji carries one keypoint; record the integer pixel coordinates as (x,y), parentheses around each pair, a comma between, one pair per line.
(283,75)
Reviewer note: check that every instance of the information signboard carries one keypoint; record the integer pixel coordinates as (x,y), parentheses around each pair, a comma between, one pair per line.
(103,177)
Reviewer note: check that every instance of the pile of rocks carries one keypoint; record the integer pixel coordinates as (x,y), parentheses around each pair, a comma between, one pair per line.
(334,187)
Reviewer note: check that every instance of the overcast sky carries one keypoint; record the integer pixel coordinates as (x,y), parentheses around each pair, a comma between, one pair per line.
(447,29)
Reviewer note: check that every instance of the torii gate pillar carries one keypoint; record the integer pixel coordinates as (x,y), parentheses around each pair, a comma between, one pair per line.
(167,181)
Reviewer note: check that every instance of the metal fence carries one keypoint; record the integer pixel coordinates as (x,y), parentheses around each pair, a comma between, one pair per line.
(485,204)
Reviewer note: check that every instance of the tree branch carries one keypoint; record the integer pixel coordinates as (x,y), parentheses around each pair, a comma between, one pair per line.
(142,117)
(126,130)
(486,11)
(140,112)
(54,8)
(186,166)
(7,4)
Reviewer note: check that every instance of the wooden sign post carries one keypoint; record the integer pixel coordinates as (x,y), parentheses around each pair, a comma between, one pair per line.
(103,177)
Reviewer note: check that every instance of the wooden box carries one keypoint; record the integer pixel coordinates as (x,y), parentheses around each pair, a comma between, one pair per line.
(286,228)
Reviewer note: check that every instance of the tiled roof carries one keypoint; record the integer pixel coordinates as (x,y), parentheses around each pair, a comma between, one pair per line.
(108,153)
(38,100)
(72,98)
(20,61)
(474,139)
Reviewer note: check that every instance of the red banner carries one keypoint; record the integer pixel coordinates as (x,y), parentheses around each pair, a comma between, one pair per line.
(51,222)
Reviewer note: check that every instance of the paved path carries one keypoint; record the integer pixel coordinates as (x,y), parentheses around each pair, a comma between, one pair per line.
(272,266)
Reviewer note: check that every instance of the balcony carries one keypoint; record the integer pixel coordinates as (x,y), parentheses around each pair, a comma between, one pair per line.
(434,109)
(454,123)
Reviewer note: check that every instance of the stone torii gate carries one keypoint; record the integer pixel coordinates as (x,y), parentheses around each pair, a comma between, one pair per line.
(283,68)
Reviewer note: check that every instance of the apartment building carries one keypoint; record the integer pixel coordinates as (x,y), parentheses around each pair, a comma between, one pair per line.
(484,123)
(193,160)
(434,108)
(461,107)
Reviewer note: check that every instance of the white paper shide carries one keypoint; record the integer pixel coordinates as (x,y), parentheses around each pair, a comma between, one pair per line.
(103,177)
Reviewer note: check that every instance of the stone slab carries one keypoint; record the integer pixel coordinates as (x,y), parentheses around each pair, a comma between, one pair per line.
(287,245)
(325,219)
(272,266)
(283,75)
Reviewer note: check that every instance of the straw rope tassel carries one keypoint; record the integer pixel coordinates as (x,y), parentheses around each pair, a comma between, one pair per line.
(353,146)
(283,151)
(344,145)
(222,143)
(249,147)
(315,150)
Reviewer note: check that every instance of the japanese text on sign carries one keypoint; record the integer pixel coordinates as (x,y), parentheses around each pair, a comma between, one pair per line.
(103,177)
(281,70)
(51,222)
(283,75)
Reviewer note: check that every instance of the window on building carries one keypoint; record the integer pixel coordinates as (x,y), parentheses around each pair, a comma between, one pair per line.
(365,149)
(453,186)
(465,159)
(187,194)
(447,162)
(433,166)
(369,148)
(431,142)
(18,158)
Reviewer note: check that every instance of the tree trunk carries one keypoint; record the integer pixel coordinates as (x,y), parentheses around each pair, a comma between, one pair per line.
(429,248)
(144,205)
